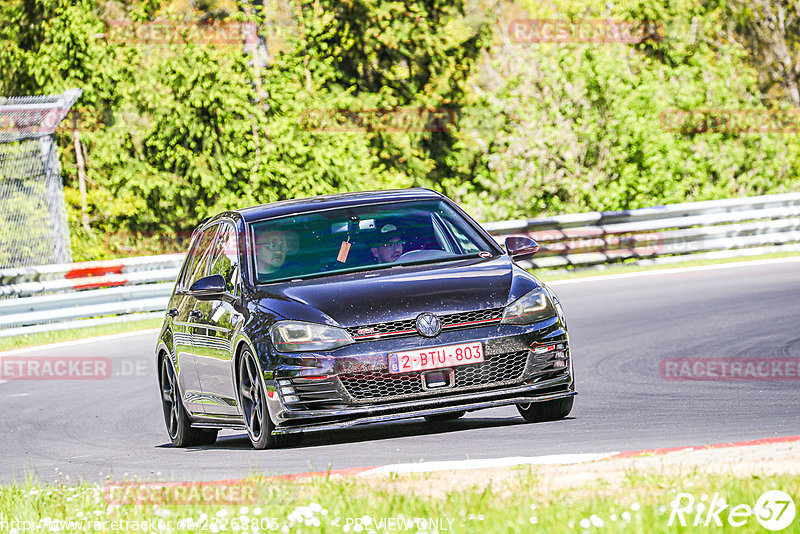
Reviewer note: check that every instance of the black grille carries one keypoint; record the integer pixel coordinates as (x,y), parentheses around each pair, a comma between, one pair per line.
(408,327)
(500,368)
(549,361)
(381,385)
(315,393)
(380,329)
(455,320)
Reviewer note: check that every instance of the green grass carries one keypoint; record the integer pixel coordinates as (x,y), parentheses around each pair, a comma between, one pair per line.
(639,503)
(30,340)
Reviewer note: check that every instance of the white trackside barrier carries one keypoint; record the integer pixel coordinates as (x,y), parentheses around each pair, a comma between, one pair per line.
(663,234)
(53,297)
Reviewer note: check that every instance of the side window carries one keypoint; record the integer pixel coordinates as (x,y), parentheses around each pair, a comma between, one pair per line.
(226,257)
(201,257)
(187,265)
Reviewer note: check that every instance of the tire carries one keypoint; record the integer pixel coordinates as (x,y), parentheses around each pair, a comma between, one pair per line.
(538,412)
(179,426)
(441,417)
(252,399)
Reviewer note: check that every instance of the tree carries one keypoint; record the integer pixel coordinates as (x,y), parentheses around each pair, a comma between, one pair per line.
(51,45)
(771,32)
(394,56)
(568,127)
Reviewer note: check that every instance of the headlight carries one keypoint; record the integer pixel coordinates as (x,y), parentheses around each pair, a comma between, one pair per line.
(297,336)
(529,308)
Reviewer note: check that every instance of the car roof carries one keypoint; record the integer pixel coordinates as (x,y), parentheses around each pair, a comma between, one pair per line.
(337,200)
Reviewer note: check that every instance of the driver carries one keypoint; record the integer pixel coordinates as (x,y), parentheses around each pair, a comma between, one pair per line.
(389,244)
(271,248)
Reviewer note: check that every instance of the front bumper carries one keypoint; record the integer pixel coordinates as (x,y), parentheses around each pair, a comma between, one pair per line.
(433,406)
(351,385)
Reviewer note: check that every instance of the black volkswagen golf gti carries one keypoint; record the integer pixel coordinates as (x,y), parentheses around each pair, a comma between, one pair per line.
(322,313)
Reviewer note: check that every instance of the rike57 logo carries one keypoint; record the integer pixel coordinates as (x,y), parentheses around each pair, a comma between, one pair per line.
(774,510)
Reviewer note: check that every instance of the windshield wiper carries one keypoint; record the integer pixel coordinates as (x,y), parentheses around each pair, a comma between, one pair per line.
(323,274)
(376,267)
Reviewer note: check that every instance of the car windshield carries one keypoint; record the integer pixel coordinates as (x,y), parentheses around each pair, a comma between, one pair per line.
(363,238)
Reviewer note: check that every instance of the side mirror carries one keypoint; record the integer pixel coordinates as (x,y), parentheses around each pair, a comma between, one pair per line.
(208,287)
(519,247)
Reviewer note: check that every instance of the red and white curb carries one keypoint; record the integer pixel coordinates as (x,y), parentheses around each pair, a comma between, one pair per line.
(749,443)
(555,459)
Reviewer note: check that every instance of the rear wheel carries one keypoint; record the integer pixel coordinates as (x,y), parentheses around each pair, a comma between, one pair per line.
(537,412)
(179,427)
(252,399)
(440,417)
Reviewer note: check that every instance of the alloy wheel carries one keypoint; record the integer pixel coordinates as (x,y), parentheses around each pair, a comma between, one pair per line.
(169,398)
(251,391)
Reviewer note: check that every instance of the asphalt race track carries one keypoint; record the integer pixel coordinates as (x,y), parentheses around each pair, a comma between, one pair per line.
(620,331)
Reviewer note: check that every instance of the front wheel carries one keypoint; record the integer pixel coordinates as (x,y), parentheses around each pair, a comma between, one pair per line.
(538,412)
(252,399)
(179,427)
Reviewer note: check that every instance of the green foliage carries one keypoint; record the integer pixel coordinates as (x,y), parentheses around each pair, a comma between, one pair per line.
(178,130)
(770,30)
(386,55)
(577,127)
(47,46)
(597,498)
(185,147)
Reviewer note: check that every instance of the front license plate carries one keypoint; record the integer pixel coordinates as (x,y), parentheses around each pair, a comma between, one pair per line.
(435,357)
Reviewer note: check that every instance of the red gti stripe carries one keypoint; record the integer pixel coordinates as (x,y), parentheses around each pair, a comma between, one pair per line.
(472,322)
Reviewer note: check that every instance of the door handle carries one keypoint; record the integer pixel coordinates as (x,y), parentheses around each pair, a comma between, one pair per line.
(172,313)
(196,314)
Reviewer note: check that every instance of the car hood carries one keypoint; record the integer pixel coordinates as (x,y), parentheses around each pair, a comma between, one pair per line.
(400,293)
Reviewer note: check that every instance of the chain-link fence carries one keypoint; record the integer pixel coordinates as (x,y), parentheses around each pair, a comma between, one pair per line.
(33,219)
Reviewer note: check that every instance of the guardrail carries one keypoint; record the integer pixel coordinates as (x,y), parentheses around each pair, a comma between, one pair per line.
(29,281)
(663,234)
(65,296)
(54,297)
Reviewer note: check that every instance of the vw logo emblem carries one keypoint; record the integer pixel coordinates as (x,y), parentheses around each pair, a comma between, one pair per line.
(429,325)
